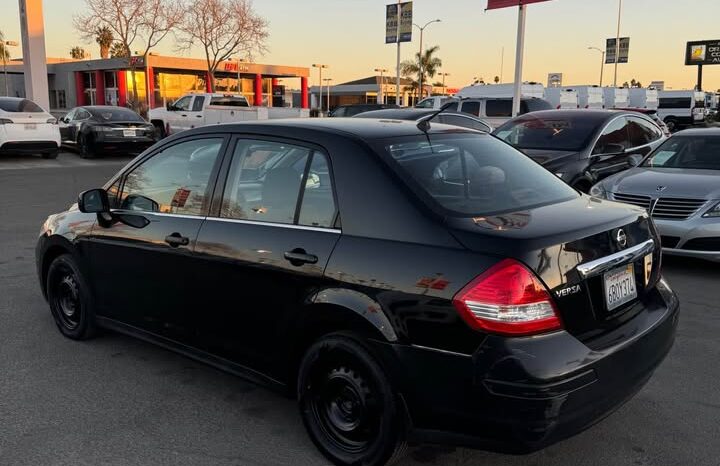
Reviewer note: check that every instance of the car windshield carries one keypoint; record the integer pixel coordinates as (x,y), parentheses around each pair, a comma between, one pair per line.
(20,105)
(548,133)
(473,174)
(114,114)
(698,152)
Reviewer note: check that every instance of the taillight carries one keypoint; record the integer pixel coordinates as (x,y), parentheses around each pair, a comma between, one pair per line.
(507,299)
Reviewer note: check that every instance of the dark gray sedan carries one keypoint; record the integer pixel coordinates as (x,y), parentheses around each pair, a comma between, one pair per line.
(679,185)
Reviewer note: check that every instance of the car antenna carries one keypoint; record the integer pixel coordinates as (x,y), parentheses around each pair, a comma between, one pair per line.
(424,124)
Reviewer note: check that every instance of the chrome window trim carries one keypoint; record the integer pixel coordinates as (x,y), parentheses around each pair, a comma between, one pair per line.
(289,226)
(156,214)
(598,266)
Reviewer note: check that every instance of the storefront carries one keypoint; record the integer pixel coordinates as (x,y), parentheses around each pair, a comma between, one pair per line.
(155,80)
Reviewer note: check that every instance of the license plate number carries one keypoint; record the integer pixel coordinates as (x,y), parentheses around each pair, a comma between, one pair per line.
(129,133)
(620,286)
(30,126)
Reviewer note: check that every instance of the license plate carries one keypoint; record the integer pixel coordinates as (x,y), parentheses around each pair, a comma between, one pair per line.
(30,125)
(620,286)
(129,133)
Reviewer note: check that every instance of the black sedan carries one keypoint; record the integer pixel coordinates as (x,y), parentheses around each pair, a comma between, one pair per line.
(583,146)
(96,129)
(463,120)
(404,283)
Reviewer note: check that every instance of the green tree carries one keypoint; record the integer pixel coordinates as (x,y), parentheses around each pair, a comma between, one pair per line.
(104,37)
(430,65)
(78,53)
(118,50)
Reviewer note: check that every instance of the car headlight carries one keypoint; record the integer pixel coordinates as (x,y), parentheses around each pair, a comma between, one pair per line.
(713,212)
(598,191)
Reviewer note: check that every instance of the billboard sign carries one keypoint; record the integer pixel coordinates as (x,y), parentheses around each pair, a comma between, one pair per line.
(554,80)
(391,23)
(703,52)
(624,50)
(495,4)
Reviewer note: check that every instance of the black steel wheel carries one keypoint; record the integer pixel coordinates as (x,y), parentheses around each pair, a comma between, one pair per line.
(69,299)
(348,404)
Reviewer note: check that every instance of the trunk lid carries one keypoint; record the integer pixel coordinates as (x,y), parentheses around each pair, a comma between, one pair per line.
(554,240)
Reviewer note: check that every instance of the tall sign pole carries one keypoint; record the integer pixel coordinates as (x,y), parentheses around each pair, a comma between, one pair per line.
(397,78)
(617,43)
(519,52)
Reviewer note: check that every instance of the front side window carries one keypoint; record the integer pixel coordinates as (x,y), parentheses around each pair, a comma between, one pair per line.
(473,174)
(174,180)
(614,137)
(427,103)
(184,103)
(81,114)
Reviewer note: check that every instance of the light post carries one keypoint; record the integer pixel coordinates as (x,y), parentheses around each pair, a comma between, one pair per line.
(420,56)
(6,53)
(443,81)
(320,67)
(327,83)
(602,62)
(617,43)
(381,95)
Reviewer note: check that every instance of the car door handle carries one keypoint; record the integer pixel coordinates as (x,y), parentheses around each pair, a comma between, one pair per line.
(198,116)
(176,239)
(299,257)
(183,115)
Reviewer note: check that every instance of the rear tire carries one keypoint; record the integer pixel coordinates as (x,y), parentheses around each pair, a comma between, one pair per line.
(85,147)
(671,124)
(159,130)
(348,404)
(71,303)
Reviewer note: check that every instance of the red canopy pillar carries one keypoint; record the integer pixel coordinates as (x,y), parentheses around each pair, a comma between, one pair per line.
(304,93)
(121,80)
(99,87)
(258,90)
(150,76)
(79,89)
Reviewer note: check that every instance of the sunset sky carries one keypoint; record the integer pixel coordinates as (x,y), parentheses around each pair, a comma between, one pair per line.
(348,35)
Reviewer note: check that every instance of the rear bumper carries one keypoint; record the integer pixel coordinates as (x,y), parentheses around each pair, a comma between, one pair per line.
(29,147)
(135,145)
(517,395)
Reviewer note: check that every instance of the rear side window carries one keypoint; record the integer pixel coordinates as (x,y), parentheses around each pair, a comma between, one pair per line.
(534,105)
(473,108)
(614,134)
(473,174)
(674,102)
(642,132)
(498,108)
(318,205)
(20,105)
(197,105)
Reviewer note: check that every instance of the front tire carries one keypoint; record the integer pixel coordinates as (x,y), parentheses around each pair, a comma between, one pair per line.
(70,300)
(348,404)
(86,148)
(672,124)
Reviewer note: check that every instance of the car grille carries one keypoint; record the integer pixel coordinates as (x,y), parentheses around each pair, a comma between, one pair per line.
(703,244)
(669,241)
(671,208)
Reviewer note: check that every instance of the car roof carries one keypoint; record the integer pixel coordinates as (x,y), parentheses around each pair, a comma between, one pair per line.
(363,128)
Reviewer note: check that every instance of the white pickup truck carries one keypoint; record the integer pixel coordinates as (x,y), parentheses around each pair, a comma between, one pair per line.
(189,111)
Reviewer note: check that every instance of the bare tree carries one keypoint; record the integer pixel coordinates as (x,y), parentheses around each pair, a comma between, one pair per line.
(224,28)
(148,21)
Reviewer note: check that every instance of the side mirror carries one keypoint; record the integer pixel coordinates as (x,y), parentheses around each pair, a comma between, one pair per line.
(94,201)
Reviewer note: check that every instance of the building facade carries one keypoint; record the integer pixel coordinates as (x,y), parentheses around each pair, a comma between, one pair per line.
(153,81)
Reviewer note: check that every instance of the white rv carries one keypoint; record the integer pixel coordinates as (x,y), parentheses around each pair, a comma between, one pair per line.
(588,96)
(644,98)
(562,98)
(616,97)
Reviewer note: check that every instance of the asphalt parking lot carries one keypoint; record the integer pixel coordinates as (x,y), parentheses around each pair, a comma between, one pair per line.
(118,401)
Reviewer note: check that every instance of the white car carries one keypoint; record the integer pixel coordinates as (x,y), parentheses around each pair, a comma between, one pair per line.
(27,128)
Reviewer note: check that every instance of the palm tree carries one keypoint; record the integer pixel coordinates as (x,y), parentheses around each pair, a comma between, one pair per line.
(77,52)
(118,50)
(429,62)
(4,56)
(104,38)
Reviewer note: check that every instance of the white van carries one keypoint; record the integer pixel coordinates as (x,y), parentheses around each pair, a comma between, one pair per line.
(589,96)
(562,99)
(527,90)
(644,98)
(616,97)
(496,111)
(681,108)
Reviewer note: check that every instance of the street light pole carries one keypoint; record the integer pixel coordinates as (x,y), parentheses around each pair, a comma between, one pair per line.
(327,81)
(420,55)
(617,43)
(443,81)
(381,94)
(602,62)
(320,67)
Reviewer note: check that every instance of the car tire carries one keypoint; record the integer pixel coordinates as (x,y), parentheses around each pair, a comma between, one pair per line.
(70,300)
(159,130)
(85,147)
(348,404)
(672,124)
(50,155)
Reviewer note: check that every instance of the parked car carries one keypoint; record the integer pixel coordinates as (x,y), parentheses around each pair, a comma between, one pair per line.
(679,186)
(681,109)
(417,114)
(27,128)
(434,102)
(356,109)
(404,285)
(189,111)
(98,129)
(496,111)
(583,146)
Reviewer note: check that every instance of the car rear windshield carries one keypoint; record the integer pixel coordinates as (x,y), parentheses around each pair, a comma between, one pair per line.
(547,132)
(229,101)
(534,105)
(472,174)
(115,114)
(20,105)
(698,152)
